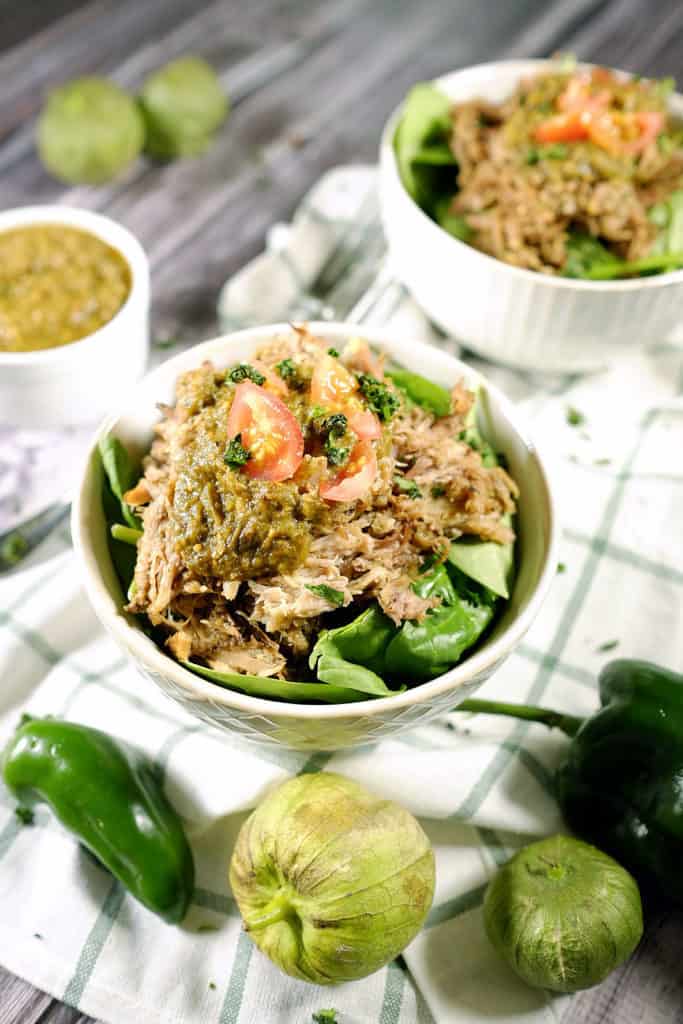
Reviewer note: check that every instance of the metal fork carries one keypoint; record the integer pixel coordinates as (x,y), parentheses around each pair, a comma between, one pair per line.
(337,289)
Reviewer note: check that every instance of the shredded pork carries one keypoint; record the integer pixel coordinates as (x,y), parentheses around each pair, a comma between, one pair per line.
(368,549)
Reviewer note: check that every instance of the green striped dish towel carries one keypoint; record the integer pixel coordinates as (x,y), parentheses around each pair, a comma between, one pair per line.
(480,787)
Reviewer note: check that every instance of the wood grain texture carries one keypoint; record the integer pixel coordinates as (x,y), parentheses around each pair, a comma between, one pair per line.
(311,83)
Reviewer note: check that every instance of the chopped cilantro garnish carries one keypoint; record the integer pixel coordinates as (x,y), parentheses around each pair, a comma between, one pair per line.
(609,645)
(286,368)
(24,814)
(575,418)
(561,567)
(325,1017)
(556,151)
(379,397)
(243,371)
(407,487)
(329,594)
(334,428)
(236,454)
(438,491)
(333,352)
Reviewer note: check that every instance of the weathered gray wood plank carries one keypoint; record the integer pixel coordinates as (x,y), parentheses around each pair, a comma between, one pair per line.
(326,72)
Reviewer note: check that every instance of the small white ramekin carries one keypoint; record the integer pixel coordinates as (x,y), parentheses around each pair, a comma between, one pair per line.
(79,382)
(514,316)
(309,726)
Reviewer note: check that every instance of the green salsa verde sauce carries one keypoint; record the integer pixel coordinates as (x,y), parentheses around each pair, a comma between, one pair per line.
(225,523)
(58,284)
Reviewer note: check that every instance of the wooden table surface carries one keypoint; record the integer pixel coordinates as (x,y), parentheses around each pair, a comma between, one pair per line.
(311,83)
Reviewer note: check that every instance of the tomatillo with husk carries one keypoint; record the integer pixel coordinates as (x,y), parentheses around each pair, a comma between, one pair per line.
(332,882)
(562,914)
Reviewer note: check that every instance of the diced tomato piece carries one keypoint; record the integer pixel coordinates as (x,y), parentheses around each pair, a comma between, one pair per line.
(364,423)
(358,354)
(650,123)
(604,131)
(273,382)
(355,479)
(332,385)
(268,430)
(568,127)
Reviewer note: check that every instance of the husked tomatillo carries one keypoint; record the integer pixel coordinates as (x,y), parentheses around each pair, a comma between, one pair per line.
(331,881)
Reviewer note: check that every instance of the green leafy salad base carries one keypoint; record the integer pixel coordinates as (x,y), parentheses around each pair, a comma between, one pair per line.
(368,656)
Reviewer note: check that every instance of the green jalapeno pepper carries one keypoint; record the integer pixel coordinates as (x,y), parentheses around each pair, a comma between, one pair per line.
(621,784)
(110,796)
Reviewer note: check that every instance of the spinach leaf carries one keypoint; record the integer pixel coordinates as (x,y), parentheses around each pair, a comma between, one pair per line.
(425,162)
(353,655)
(327,593)
(120,474)
(487,562)
(453,223)
(278,689)
(588,258)
(668,216)
(421,391)
(584,254)
(126,534)
(423,650)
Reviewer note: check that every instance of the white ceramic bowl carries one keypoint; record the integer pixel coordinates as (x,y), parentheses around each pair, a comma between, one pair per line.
(514,316)
(302,726)
(79,382)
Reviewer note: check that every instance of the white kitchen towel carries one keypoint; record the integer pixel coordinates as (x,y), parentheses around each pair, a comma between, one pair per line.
(480,786)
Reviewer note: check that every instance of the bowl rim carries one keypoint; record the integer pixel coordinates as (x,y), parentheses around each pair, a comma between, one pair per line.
(101,227)
(522,67)
(146,652)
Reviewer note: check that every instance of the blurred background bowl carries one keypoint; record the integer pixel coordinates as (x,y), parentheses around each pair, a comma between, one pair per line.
(507,314)
(79,382)
(307,726)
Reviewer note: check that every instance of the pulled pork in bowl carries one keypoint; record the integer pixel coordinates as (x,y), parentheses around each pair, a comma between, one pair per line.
(534,210)
(315,524)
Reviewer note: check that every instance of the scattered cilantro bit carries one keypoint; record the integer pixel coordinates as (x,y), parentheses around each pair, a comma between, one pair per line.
(603,462)
(561,567)
(609,645)
(236,454)
(329,594)
(212,985)
(407,487)
(286,368)
(556,151)
(325,1017)
(438,491)
(243,371)
(13,548)
(333,352)
(379,397)
(24,814)
(317,412)
(334,428)
(575,418)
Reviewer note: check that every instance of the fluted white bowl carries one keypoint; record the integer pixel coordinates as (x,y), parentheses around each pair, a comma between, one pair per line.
(308,726)
(513,316)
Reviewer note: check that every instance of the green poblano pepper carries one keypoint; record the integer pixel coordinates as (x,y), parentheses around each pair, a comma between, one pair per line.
(563,914)
(109,795)
(620,785)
